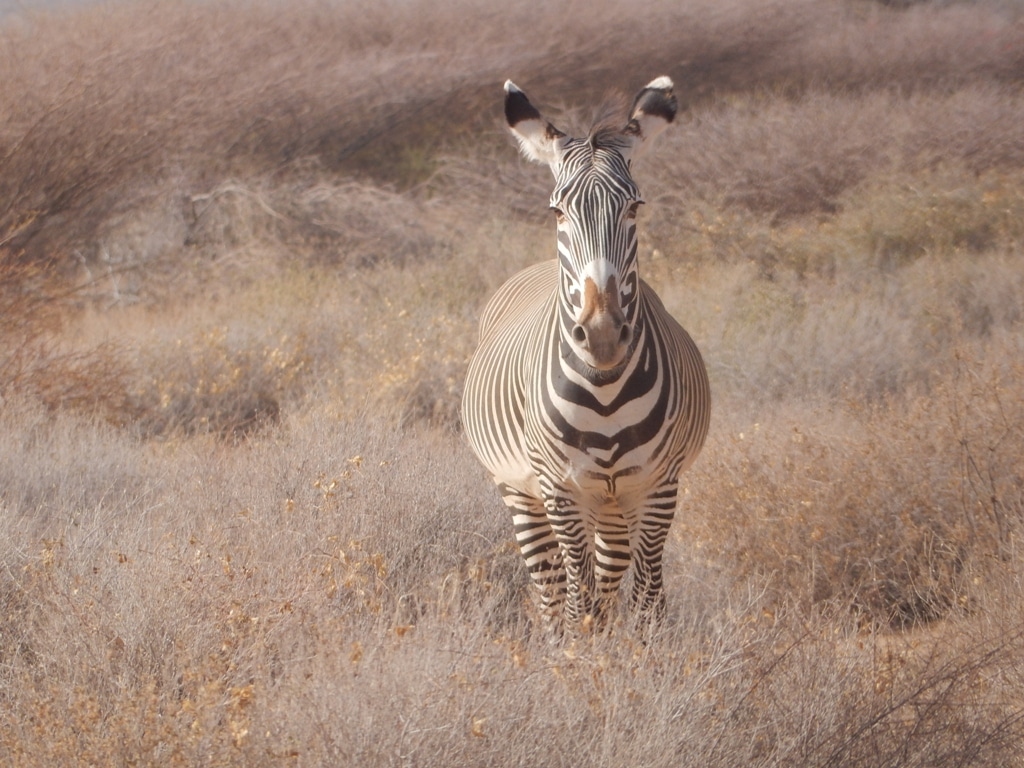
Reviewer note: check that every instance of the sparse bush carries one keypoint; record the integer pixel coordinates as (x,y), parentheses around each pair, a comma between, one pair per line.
(935,214)
(209,386)
(353,224)
(33,365)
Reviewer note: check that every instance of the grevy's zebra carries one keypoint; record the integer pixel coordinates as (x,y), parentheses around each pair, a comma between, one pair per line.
(585,399)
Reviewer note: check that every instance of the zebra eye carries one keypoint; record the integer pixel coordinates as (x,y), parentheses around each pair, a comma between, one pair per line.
(559,215)
(631,212)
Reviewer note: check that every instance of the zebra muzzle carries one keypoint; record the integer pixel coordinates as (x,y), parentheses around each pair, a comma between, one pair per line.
(602,334)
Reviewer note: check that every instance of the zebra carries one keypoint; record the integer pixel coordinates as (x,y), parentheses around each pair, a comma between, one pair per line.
(585,399)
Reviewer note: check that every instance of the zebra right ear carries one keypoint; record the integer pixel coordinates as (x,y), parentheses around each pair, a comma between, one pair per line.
(538,139)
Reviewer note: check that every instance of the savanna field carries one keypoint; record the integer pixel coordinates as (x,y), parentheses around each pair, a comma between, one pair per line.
(243,252)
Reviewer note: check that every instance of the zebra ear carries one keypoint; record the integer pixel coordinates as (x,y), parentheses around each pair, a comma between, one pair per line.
(653,109)
(538,139)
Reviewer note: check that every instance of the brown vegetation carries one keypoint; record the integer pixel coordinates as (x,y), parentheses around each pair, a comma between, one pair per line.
(243,249)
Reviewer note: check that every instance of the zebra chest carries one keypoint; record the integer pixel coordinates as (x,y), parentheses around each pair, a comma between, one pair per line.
(602,475)
(589,439)
(600,491)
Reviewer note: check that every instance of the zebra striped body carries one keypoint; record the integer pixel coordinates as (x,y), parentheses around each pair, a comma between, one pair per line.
(585,399)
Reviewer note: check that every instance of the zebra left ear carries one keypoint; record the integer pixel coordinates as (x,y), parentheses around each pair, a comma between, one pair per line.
(653,109)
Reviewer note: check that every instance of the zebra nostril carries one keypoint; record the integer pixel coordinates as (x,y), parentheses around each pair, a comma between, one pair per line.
(625,334)
(579,334)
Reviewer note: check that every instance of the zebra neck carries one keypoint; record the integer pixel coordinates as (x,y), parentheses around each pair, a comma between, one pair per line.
(611,420)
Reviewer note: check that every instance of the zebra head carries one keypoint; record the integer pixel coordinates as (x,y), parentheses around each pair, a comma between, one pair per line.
(595,203)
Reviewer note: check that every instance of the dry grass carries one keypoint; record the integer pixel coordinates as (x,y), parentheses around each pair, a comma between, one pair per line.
(238,289)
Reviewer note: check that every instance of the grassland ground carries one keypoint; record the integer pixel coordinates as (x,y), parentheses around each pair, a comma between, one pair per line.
(239,287)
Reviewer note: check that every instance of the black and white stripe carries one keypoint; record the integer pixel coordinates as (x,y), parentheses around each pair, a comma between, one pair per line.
(585,399)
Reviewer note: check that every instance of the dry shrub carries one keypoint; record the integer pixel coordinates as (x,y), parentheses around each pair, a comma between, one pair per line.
(859,335)
(192,629)
(889,512)
(100,126)
(899,220)
(32,362)
(218,384)
(784,158)
(338,607)
(327,222)
(788,157)
(94,382)
(384,340)
(102,104)
(987,423)
(958,219)
(25,316)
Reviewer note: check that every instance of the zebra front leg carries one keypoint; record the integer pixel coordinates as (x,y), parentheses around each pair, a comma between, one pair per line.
(540,551)
(582,599)
(647,601)
(612,559)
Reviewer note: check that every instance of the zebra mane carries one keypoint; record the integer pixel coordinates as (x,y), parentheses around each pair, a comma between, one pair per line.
(608,137)
(609,120)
